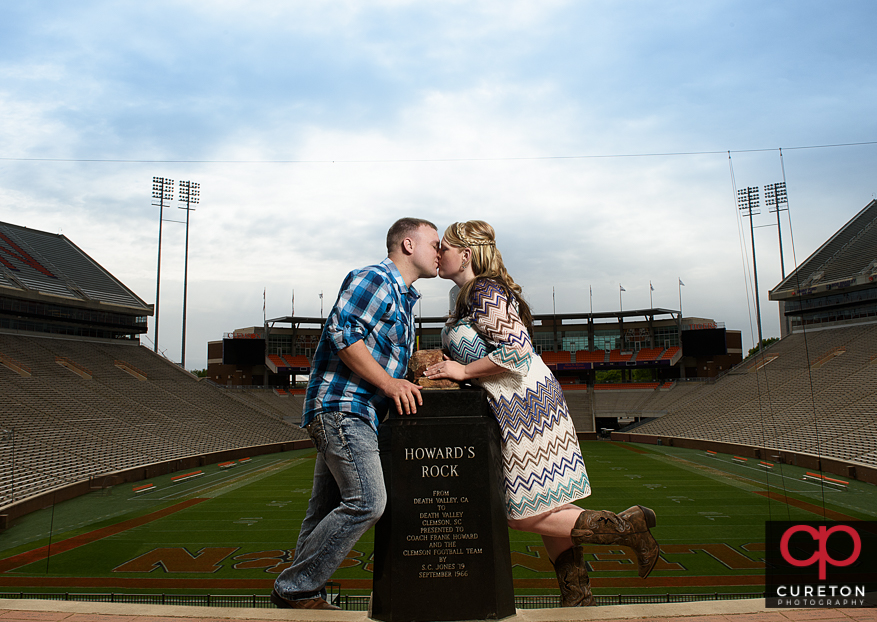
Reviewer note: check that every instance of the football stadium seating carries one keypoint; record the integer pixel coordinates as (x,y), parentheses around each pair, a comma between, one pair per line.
(71,410)
(587,356)
(553,358)
(814,394)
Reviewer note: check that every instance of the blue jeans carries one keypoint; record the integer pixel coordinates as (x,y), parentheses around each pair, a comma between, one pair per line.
(348,497)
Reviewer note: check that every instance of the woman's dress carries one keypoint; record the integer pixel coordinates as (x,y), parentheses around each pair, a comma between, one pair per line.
(542,461)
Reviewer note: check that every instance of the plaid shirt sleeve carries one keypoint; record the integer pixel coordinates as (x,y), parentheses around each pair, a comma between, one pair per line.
(364,299)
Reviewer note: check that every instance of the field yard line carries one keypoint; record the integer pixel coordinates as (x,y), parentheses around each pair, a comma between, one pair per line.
(228,480)
(815,485)
(809,507)
(705,468)
(220,488)
(35,555)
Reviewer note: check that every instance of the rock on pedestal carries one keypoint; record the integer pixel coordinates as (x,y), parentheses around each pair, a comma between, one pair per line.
(442,546)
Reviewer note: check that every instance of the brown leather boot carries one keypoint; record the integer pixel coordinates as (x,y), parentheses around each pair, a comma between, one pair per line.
(629,528)
(572,578)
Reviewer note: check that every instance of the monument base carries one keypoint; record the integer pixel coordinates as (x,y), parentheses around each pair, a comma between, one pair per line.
(442,545)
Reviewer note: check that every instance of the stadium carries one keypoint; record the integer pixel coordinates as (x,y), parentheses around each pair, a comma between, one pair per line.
(124,474)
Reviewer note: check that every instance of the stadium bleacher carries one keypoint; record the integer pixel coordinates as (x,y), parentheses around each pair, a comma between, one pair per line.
(823,404)
(91,416)
(587,356)
(553,358)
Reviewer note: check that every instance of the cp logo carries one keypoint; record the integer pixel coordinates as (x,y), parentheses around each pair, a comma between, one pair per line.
(821,555)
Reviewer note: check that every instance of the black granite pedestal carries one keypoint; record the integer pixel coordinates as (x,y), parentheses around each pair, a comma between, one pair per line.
(442,545)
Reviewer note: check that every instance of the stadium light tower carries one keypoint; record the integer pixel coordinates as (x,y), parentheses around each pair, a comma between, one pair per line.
(775,195)
(162,190)
(747,201)
(189,194)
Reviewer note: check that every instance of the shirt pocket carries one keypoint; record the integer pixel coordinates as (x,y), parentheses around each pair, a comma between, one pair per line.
(395,330)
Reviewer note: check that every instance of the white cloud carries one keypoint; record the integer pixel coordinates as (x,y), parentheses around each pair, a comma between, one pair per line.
(405,108)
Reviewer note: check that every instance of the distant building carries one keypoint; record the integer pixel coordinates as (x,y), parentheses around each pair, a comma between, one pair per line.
(837,284)
(578,347)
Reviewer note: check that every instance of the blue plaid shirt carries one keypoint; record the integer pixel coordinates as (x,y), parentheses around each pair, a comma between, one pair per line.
(376,306)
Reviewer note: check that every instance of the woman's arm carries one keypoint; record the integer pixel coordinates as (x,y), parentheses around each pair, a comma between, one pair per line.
(459,372)
(492,316)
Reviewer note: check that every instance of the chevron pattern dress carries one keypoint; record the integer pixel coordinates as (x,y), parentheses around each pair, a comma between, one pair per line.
(542,461)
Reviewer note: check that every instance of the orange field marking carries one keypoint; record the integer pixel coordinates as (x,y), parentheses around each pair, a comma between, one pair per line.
(35,555)
(178,478)
(828,479)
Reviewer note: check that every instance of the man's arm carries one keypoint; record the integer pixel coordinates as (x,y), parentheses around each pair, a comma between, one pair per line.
(406,395)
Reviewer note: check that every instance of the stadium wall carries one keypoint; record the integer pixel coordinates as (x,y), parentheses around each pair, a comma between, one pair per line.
(135,474)
(808,461)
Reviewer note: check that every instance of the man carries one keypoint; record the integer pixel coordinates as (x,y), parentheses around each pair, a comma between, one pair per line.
(357,374)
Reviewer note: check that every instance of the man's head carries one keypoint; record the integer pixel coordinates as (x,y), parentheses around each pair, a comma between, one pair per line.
(414,245)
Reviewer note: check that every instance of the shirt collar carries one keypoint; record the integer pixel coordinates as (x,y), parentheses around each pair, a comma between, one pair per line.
(397,276)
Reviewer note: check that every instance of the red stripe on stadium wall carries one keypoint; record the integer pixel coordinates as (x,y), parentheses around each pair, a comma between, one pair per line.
(29,557)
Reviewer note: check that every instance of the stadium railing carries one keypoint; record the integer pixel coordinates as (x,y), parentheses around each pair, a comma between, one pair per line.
(349,602)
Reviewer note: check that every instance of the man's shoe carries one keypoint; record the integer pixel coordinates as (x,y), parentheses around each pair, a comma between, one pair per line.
(309,603)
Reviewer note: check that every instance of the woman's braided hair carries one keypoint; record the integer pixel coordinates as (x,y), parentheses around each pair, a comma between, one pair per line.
(480,238)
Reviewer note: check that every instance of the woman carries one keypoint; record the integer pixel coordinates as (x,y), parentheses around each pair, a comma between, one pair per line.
(543,467)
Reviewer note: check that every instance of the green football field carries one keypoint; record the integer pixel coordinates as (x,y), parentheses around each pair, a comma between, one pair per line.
(232,530)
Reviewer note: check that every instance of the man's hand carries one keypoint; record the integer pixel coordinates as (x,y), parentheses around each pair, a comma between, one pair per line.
(405,394)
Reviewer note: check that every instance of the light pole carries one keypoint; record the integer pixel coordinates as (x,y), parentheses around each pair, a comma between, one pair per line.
(775,195)
(189,194)
(747,200)
(163,190)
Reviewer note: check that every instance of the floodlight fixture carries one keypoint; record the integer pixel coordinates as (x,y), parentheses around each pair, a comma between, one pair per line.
(747,201)
(189,193)
(774,196)
(162,190)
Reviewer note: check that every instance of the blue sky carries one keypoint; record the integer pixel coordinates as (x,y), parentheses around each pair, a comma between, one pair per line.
(312,126)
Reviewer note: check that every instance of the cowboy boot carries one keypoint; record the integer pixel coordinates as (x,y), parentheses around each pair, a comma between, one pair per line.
(629,528)
(572,578)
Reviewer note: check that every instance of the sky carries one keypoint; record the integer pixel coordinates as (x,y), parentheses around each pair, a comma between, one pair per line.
(603,140)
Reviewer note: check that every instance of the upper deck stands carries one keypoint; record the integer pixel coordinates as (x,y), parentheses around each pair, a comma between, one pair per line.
(649,354)
(553,358)
(588,356)
(619,356)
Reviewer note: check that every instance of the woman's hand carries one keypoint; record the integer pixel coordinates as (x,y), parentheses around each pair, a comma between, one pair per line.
(447,369)
(456,371)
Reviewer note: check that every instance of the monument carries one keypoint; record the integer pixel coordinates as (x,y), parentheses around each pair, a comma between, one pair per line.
(442,545)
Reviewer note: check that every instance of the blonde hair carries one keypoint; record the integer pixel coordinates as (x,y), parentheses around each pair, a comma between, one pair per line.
(480,238)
